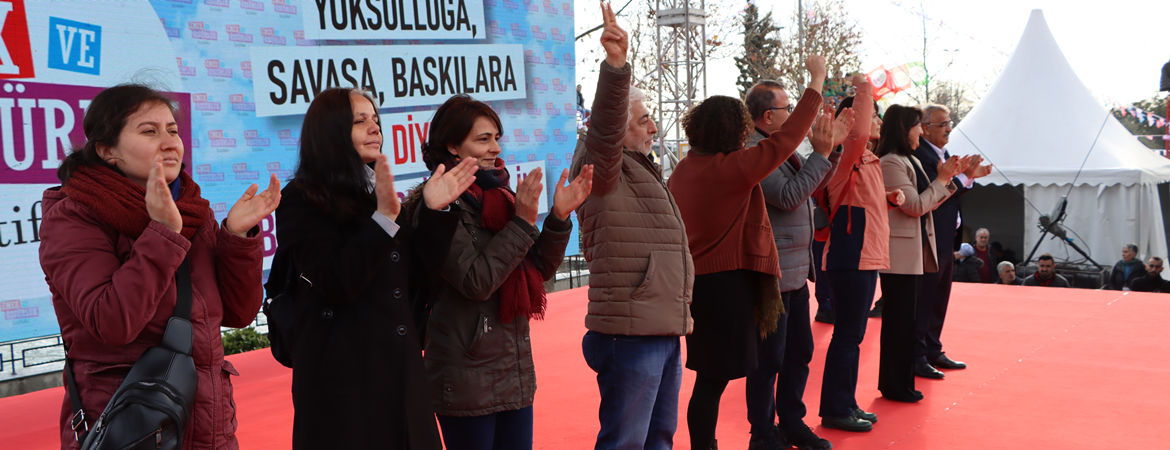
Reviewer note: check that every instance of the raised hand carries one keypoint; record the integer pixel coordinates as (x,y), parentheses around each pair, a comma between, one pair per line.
(841,126)
(251,208)
(860,80)
(896,198)
(614,39)
(159,203)
(567,199)
(528,196)
(444,187)
(388,203)
(816,66)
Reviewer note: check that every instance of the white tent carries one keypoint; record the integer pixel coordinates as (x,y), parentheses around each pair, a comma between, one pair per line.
(1037,124)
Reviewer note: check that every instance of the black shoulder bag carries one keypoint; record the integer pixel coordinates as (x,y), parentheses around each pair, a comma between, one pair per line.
(280,309)
(153,405)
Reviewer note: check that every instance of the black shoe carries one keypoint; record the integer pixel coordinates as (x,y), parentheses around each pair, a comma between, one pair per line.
(848,423)
(914,396)
(926,370)
(871,417)
(942,362)
(768,440)
(825,316)
(803,438)
(876,311)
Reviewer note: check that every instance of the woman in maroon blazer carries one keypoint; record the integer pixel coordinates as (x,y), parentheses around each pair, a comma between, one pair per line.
(112,238)
(737,267)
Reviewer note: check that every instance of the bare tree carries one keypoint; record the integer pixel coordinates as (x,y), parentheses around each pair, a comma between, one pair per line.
(822,28)
(957,96)
(639,20)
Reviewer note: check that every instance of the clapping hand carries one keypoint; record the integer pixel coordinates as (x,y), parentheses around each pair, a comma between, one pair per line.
(822,135)
(444,187)
(567,199)
(841,125)
(251,208)
(159,203)
(614,39)
(528,196)
(975,170)
(388,203)
(951,167)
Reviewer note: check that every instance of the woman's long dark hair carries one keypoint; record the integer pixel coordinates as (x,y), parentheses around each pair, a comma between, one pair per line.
(330,171)
(104,119)
(451,125)
(896,127)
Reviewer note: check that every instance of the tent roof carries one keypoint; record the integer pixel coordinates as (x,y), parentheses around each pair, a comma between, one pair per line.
(1038,121)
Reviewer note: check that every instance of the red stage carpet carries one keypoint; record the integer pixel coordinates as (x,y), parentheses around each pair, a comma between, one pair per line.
(1049,369)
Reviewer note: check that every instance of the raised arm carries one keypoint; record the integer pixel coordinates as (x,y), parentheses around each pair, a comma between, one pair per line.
(759,161)
(603,144)
(859,134)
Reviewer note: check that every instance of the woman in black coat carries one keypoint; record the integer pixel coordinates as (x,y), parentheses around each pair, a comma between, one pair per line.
(358,379)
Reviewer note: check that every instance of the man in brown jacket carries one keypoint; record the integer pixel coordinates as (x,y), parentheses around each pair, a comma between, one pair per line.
(640,268)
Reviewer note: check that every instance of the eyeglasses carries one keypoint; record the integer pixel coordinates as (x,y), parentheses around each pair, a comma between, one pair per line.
(949,123)
(786,108)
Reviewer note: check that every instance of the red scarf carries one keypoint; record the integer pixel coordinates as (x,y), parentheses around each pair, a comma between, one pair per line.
(121,203)
(522,294)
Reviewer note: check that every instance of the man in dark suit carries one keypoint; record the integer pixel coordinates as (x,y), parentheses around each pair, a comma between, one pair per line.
(935,290)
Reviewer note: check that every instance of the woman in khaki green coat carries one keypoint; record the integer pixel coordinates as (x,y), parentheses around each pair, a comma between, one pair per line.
(477,350)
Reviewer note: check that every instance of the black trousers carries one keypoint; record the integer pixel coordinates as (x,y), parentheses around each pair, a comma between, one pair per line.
(935,290)
(775,390)
(896,366)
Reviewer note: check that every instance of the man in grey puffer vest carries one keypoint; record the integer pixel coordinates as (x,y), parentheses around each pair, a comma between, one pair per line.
(776,388)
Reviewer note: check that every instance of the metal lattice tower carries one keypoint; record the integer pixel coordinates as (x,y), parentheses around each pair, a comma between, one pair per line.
(682,69)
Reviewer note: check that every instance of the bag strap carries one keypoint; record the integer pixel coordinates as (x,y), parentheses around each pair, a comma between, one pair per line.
(183,291)
(77,420)
(182,310)
(847,191)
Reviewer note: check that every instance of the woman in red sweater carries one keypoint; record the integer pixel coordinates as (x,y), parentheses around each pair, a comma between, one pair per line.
(736,292)
(857,247)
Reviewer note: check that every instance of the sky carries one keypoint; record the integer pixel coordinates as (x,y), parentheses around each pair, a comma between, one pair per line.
(1117,48)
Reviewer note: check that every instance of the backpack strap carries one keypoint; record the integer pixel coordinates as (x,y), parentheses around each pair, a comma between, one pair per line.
(182,310)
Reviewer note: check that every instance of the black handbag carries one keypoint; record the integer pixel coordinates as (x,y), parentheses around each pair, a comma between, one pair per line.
(152,406)
(280,310)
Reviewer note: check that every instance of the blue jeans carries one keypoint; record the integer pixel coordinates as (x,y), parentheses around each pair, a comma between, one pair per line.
(639,378)
(852,296)
(505,430)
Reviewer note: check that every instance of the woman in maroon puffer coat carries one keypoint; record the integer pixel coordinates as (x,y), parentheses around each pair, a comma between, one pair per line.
(113,236)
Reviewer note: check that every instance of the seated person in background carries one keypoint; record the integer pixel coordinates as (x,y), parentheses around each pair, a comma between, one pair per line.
(1153,281)
(967,265)
(1128,269)
(1007,274)
(984,252)
(1046,274)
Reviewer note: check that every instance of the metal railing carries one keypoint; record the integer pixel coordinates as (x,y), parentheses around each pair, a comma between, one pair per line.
(28,357)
